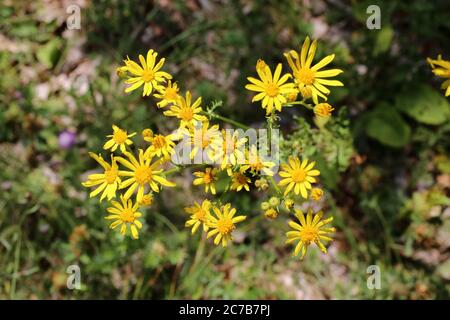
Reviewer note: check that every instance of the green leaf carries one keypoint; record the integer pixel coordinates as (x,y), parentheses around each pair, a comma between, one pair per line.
(424,104)
(386,125)
(50,53)
(383,40)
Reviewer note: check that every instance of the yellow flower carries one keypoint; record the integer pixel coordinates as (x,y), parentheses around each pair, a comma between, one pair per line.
(441,68)
(271,213)
(230,151)
(125,214)
(223,224)
(256,164)
(186,112)
(271,89)
(107,182)
(205,138)
(147,74)
(143,172)
(298,176)
(239,180)
(199,215)
(118,138)
(161,146)
(168,94)
(208,178)
(310,230)
(146,200)
(316,194)
(323,110)
(310,77)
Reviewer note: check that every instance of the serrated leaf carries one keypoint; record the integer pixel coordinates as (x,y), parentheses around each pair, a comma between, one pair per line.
(424,104)
(386,125)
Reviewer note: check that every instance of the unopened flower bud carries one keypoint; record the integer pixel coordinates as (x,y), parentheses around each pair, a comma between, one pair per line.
(316,194)
(147,133)
(274,201)
(288,203)
(265,205)
(271,213)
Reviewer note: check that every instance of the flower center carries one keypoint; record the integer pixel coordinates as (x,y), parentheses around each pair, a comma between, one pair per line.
(111,175)
(241,179)
(186,114)
(256,165)
(127,215)
(148,75)
(272,90)
(200,215)
(225,226)
(298,175)
(159,141)
(170,94)
(208,177)
(143,174)
(309,234)
(119,136)
(305,76)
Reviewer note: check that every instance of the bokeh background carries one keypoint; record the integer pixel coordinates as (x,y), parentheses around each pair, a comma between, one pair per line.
(384,157)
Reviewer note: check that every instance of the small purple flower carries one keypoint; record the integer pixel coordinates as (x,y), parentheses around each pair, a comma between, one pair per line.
(67,139)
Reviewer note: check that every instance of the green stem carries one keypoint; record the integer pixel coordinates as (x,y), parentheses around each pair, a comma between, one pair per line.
(178,168)
(274,185)
(214,115)
(302,103)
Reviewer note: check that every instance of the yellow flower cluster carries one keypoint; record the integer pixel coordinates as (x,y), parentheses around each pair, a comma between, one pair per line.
(136,176)
(142,173)
(220,219)
(276,90)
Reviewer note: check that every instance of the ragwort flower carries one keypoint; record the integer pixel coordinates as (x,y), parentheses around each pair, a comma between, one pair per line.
(141,174)
(311,229)
(119,138)
(125,214)
(108,182)
(147,74)
(310,79)
(298,176)
(223,224)
(272,90)
(199,215)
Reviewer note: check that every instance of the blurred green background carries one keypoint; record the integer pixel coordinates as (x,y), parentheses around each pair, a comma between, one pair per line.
(384,157)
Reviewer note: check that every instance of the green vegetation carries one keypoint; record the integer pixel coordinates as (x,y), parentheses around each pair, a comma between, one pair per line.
(383,156)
